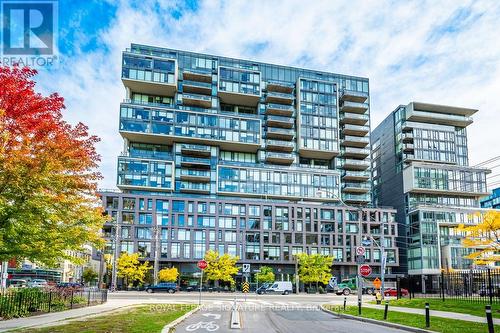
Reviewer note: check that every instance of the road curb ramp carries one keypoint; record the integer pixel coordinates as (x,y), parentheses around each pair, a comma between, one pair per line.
(376,322)
(171,326)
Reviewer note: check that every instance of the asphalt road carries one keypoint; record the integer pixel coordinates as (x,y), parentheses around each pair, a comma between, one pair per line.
(260,317)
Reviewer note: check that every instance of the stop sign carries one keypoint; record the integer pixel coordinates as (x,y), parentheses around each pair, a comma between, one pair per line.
(202,264)
(365,270)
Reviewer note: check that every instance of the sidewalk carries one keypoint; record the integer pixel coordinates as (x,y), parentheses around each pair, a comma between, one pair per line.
(59,318)
(442,314)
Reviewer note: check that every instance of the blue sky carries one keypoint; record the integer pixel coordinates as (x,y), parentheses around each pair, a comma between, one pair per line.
(445,52)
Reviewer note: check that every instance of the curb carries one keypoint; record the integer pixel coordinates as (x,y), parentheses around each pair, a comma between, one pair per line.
(167,328)
(377,322)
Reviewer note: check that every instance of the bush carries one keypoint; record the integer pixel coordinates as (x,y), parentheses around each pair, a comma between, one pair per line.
(321,290)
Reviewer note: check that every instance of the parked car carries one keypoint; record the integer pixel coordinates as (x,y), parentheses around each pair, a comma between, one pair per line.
(262,289)
(37,283)
(70,285)
(17,283)
(280,287)
(169,287)
(394,292)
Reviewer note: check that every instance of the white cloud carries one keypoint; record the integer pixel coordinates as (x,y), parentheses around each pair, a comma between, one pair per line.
(402,47)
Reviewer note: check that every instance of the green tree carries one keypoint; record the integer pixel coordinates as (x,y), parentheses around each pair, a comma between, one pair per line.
(220,267)
(89,275)
(266,274)
(314,268)
(131,269)
(168,274)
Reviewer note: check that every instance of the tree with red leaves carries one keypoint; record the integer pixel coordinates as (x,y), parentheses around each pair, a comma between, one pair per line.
(48,178)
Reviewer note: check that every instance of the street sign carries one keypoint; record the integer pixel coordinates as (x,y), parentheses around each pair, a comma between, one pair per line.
(377,283)
(360,250)
(366,242)
(360,260)
(245,287)
(202,264)
(365,270)
(246,268)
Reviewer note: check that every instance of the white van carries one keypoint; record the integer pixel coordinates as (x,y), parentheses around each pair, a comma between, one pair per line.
(281,287)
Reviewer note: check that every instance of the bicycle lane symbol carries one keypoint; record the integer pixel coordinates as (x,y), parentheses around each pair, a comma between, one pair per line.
(209,326)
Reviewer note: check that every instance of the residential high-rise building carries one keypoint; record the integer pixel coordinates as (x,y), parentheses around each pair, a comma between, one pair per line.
(420,167)
(246,158)
(492,201)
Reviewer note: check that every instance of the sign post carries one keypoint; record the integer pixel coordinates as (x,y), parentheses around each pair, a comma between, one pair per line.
(202,264)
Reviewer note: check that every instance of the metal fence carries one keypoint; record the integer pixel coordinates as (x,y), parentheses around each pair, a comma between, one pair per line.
(32,301)
(473,285)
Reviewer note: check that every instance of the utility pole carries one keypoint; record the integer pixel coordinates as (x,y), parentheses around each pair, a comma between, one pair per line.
(383,259)
(4,273)
(296,275)
(101,268)
(360,243)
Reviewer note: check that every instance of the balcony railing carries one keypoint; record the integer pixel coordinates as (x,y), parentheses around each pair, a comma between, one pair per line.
(197,100)
(355,164)
(197,161)
(280,86)
(354,96)
(355,175)
(355,152)
(280,158)
(280,109)
(354,107)
(194,187)
(193,149)
(201,74)
(278,133)
(355,141)
(280,145)
(196,175)
(355,129)
(353,118)
(286,122)
(356,187)
(356,197)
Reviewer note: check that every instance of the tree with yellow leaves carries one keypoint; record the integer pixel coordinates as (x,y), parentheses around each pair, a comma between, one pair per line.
(220,267)
(131,269)
(168,274)
(484,238)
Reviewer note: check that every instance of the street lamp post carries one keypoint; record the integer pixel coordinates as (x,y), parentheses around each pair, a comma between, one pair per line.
(156,231)
(116,254)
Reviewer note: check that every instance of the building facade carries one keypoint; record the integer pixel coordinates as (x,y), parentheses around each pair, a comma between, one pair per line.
(420,167)
(492,201)
(242,157)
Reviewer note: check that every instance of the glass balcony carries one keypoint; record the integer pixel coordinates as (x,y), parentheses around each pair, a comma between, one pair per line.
(349,129)
(355,175)
(280,98)
(350,164)
(197,87)
(355,152)
(354,107)
(197,100)
(199,74)
(407,137)
(355,141)
(280,109)
(280,133)
(149,76)
(279,158)
(438,118)
(278,145)
(194,187)
(280,121)
(195,150)
(353,96)
(356,187)
(353,118)
(136,173)
(195,175)
(166,126)
(358,198)
(408,147)
(199,162)
(280,86)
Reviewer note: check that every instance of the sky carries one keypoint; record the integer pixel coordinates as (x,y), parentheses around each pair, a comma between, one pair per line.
(444,52)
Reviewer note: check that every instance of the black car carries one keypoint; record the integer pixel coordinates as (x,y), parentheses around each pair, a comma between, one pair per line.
(169,287)
(262,289)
